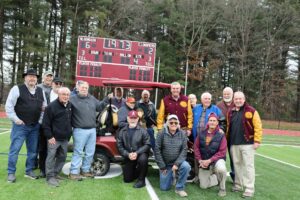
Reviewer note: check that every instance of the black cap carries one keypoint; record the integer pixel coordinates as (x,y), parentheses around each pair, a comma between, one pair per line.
(30,72)
(57,80)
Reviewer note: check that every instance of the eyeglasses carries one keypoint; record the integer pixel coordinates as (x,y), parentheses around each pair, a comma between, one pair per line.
(173,123)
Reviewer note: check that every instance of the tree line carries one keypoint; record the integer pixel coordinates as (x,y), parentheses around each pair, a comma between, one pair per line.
(249,45)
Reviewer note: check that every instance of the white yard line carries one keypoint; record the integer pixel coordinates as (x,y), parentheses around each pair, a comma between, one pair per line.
(281,145)
(280,161)
(8,131)
(151,191)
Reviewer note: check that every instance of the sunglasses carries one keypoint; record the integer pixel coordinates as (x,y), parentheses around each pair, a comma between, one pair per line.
(173,123)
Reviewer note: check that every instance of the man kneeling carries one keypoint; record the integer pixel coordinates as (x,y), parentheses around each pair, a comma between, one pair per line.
(210,152)
(170,154)
(134,143)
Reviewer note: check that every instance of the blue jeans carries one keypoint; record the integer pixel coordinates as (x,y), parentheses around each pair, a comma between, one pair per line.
(19,134)
(84,139)
(152,138)
(167,179)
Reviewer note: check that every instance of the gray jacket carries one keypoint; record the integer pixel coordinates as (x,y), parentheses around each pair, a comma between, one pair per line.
(85,110)
(170,149)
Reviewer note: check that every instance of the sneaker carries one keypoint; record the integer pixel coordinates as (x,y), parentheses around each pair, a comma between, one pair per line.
(236,189)
(60,178)
(181,193)
(222,193)
(139,184)
(75,177)
(87,175)
(52,182)
(247,195)
(31,175)
(11,178)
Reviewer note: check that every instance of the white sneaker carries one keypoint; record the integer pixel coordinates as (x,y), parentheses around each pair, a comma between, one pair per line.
(181,193)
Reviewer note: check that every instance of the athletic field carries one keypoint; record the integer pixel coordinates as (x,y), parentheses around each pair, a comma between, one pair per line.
(277,176)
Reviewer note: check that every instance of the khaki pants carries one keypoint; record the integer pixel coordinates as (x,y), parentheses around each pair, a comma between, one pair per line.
(213,176)
(243,161)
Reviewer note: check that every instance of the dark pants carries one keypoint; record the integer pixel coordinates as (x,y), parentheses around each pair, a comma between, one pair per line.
(133,169)
(56,157)
(42,151)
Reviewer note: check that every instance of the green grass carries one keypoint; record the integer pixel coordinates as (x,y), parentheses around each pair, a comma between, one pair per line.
(274,180)
(108,189)
(5,123)
(281,139)
(284,153)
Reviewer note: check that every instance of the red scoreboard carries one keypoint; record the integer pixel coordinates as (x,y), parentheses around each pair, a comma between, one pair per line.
(101,59)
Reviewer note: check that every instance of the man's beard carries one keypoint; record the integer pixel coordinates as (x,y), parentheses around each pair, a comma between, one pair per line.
(227,100)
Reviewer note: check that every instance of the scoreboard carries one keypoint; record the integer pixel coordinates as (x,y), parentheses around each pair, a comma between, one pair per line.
(101,59)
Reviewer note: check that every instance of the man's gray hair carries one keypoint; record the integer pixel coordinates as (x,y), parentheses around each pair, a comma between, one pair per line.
(63,89)
(146,92)
(228,89)
(206,94)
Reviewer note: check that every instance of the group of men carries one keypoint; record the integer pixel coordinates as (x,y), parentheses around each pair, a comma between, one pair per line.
(232,124)
(46,115)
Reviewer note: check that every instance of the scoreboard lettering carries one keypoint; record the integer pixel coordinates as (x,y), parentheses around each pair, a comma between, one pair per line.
(100,59)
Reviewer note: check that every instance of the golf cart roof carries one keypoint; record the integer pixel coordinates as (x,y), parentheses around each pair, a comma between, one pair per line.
(135,84)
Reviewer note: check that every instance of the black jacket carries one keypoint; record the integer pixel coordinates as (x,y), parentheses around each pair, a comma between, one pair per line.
(140,141)
(57,121)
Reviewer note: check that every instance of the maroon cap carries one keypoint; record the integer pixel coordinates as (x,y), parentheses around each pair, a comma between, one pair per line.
(213,115)
(130,100)
(133,114)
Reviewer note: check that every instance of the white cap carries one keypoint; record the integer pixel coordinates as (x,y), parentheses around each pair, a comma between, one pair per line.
(172,117)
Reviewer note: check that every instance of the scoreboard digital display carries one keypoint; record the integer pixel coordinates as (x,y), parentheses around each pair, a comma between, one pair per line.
(101,59)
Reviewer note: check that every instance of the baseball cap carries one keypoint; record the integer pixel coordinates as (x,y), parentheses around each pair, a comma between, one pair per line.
(57,80)
(130,100)
(133,114)
(213,115)
(172,117)
(46,73)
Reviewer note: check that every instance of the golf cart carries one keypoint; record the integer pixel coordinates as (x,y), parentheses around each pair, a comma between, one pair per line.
(106,147)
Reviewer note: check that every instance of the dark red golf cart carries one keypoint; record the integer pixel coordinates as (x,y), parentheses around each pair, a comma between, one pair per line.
(106,148)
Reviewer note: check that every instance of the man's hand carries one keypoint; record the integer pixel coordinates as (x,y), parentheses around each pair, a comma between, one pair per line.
(111,95)
(204,163)
(19,122)
(132,156)
(52,141)
(164,171)
(174,168)
(221,131)
(256,145)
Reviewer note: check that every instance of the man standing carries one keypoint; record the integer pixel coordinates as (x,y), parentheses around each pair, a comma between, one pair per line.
(170,154)
(58,130)
(118,99)
(133,143)
(24,106)
(124,110)
(46,84)
(210,153)
(149,115)
(56,84)
(244,130)
(84,114)
(225,105)
(42,143)
(176,104)
(193,100)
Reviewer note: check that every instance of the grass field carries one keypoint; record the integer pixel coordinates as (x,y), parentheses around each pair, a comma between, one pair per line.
(274,180)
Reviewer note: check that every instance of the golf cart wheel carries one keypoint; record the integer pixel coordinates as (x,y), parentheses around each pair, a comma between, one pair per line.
(101,165)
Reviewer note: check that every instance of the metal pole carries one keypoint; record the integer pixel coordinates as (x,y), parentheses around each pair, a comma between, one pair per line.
(186,75)
(157,80)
